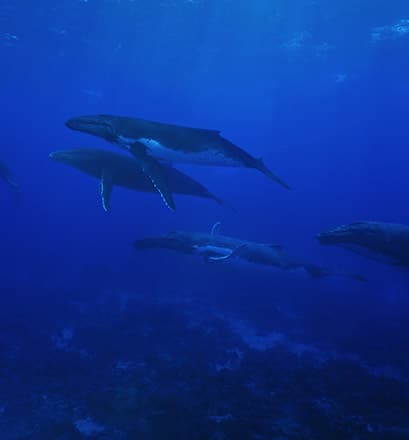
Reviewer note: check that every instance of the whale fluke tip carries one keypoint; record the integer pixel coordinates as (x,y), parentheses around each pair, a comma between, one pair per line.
(261,166)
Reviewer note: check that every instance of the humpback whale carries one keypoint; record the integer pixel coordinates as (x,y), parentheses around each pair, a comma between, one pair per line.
(386,242)
(6,175)
(171,143)
(116,169)
(215,247)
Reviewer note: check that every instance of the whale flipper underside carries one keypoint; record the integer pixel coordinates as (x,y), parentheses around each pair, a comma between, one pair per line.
(154,170)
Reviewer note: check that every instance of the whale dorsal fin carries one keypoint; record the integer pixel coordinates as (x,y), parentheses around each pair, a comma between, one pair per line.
(106,190)
(154,170)
(216,229)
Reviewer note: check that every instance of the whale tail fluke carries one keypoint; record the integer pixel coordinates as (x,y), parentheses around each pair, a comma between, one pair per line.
(261,166)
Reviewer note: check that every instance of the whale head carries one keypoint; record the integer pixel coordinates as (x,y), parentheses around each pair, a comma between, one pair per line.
(178,241)
(73,157)
(354,233)
(98,125)
(87,160)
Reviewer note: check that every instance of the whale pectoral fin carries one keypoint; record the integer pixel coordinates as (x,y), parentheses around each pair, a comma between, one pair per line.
(224,257)
(158,180)
(234,253)
(215,229)
(154,170)
(106,190)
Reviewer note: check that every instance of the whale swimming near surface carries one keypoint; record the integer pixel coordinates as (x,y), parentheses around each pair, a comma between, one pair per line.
(385,242)
(215,247)
(125,171)
(171,143)
(6,175)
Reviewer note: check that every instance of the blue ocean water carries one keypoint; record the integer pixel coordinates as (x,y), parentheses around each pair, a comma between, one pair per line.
(100,341)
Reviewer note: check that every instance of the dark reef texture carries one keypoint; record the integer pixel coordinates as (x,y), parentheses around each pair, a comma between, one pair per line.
(124,367)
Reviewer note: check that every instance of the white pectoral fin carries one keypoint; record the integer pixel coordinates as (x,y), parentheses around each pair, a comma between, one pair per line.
(223,257)
(234,253)
(106,190)
(153,169)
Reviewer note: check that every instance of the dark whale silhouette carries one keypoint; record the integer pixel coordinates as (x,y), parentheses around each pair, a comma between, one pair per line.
(386,242)
(172,143)
(215,247)
(116,169)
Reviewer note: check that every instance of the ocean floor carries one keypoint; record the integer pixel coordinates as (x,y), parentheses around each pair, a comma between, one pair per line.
(172,366)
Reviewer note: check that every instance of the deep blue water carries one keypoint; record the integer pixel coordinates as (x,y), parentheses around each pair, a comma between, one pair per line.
(319,90)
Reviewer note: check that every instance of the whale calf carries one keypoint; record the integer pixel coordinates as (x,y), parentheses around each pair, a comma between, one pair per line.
(6,175)
(125,171)
(215,247)
(385,242)
(171,143)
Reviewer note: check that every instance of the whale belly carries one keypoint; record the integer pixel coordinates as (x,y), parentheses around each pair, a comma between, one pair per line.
(209,156)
